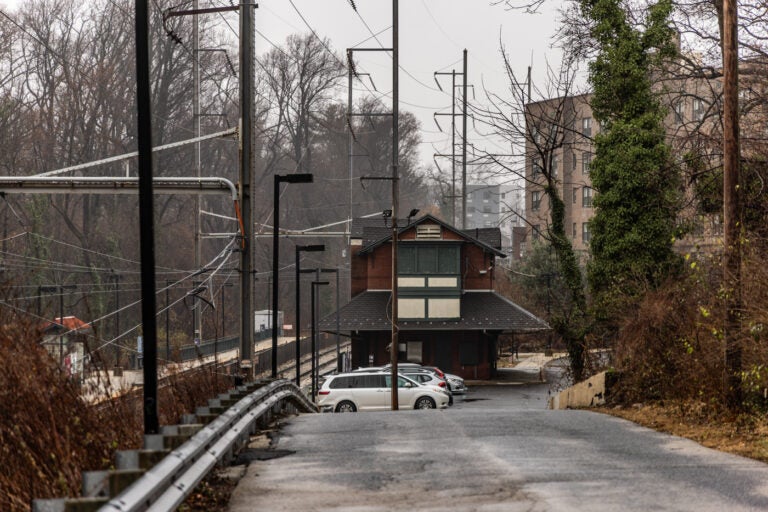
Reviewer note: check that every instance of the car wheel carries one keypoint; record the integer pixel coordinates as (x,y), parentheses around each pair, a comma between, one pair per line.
(424,403)
(346,406)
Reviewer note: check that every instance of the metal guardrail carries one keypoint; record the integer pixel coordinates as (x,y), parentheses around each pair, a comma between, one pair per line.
(166,485)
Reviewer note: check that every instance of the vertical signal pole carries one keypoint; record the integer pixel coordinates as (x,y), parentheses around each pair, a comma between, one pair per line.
(246,165)
(731,204)
(395,199)
(146,218)
(464,148)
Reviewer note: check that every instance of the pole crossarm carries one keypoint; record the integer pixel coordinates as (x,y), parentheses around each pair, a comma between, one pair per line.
(107,185)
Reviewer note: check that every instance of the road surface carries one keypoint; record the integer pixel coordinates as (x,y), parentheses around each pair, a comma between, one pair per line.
(500,449)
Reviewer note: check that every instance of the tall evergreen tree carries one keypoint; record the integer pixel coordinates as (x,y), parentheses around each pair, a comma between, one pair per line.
(636,181)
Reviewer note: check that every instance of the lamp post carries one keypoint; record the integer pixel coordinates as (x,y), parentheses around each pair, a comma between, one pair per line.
(288,178)
(299,249)
(313,376)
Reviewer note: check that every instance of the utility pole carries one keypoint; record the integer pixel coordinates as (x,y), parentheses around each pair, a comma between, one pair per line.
(246,167)
(453,115)
(464,148)
(146,217)
(395,198)
(731,204)
(198,320)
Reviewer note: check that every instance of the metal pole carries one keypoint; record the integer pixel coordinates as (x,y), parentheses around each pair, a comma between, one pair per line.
(117,320)
(146,217)
(167,323)
(338,324)
(453,147)
(313,375)
(395,199)
(351,141)
(298,317)
(464,149)
(275,269)
(196,124)
(246,165)
(61,325)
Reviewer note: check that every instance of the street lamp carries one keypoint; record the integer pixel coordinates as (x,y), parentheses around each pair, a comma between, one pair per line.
(288,178)
(299,249)
(313,376)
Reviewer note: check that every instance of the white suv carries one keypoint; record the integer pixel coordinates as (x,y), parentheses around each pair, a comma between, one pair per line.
(371,391)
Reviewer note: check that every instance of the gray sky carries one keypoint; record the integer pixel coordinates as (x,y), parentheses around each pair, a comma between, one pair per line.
(433,34)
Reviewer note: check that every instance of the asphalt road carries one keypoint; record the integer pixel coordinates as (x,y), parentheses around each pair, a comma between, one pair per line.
(500,449)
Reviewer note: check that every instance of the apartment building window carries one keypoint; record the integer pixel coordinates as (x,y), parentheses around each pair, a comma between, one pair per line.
(555,165)
(585,232)
(586,126)
(486,196)
(575,194)
(535,232)
(698,109)
(679,111)
(573,164)
(586,158)
(573,231)
(536,167)
(535,200)
(586,197)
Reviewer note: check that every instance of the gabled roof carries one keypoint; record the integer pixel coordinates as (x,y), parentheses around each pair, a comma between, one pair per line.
(369,311)
(69,324)
(386,237)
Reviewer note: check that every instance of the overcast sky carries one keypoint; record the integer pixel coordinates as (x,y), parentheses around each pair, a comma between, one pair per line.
(433,35)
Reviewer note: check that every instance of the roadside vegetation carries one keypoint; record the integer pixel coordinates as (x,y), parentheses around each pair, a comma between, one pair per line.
(49,434)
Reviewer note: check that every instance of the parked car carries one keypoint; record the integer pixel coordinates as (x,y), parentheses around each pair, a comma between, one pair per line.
(371,390)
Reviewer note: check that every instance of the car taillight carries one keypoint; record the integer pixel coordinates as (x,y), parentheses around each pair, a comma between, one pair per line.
(324,392)
(440,373)
(442,384)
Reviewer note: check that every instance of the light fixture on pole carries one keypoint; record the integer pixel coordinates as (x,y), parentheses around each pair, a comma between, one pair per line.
(299,249)
(313,376)
(288,178)
(412,214)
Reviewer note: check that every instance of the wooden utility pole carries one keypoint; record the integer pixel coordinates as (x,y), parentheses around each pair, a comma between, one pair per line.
(731,204)
(395,200)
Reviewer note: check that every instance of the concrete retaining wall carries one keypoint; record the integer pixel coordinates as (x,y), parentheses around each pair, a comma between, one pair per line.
(588,393)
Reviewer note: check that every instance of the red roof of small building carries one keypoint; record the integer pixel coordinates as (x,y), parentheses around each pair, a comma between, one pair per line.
(70,323)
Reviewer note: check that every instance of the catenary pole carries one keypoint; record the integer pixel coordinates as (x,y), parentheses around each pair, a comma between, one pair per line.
(146,217)
(246,166)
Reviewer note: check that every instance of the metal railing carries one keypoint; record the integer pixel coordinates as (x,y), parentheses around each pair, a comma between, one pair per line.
(168,483)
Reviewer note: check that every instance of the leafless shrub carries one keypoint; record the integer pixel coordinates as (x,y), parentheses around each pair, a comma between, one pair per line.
(672,348)
(49,434)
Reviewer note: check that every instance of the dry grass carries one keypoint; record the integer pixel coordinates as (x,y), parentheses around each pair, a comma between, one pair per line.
(746,436)
(49,434)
